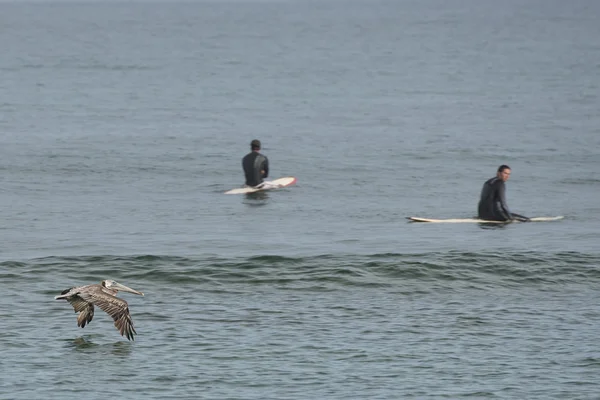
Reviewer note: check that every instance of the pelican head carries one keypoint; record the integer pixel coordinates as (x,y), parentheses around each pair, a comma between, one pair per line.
(110,284)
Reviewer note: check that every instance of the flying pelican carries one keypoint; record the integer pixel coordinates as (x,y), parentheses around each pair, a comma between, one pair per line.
(103,295)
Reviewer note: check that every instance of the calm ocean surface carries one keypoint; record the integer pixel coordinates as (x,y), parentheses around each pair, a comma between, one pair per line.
(122,124)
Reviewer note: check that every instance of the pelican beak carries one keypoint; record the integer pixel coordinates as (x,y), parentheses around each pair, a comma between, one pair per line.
(123,288)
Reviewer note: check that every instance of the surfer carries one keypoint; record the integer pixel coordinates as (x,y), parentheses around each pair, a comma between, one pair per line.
(492,204)
(256,165)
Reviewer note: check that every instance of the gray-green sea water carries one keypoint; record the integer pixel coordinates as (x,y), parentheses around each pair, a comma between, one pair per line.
(122,124)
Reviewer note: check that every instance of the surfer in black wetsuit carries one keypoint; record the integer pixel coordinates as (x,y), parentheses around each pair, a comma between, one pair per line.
(256,165)
(492,205)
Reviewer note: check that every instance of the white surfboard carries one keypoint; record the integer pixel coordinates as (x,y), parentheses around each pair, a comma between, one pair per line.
(479,221)
(267,185)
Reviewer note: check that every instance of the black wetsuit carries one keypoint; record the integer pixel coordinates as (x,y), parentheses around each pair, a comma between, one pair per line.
(492,205)
(256,168)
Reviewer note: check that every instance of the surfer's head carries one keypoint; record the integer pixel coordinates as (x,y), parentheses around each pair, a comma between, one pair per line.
(255,144)
(503,172)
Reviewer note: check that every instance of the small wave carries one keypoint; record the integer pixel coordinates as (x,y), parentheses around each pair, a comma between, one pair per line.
(581,181)
(123,67)
(588,362)
(81,66)
(322,272)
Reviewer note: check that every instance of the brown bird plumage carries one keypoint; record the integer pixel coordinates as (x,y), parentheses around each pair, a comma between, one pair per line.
(103,295)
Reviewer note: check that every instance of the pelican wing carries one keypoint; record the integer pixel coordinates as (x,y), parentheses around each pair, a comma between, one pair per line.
(85,310)
(117,308)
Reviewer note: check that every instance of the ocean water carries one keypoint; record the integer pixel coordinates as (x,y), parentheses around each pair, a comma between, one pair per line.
(122,124)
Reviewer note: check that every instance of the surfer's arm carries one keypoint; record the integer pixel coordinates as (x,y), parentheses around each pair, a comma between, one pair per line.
(503,206)
(265,168)
(519,217)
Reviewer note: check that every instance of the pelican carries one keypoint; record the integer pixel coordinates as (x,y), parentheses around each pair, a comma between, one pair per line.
(83,299)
